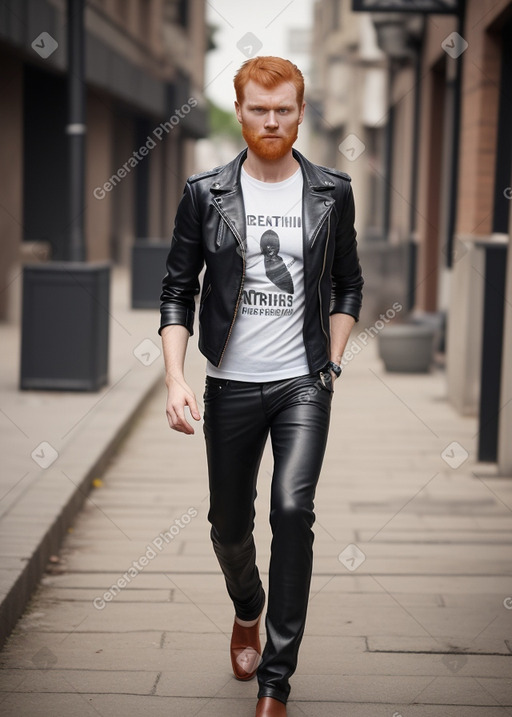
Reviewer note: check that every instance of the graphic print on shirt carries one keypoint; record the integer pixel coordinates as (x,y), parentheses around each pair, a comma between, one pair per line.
(275,268)
(273,260)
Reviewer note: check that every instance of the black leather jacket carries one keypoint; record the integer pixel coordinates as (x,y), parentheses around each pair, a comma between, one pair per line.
(210,228)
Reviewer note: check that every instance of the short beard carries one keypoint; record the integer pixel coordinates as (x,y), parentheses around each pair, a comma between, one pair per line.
(269,149)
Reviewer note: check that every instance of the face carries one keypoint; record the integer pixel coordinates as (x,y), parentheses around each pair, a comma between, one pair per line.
(269,243)
(270,119)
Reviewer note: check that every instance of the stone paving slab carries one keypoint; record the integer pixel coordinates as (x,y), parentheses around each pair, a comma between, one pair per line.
(425,537)
(92,705)
(455,690)
(337,709)
(462,585)
(116,617)
(73,681)
(191,583)
(493,645)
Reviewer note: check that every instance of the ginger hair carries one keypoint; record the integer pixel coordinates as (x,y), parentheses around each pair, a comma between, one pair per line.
(269,72)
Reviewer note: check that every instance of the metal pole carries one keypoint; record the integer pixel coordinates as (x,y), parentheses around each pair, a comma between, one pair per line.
(416,132)
(75,128)
(413,250)
(454,163)
(388,153)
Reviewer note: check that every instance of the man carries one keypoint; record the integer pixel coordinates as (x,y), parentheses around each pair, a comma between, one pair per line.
(280,295)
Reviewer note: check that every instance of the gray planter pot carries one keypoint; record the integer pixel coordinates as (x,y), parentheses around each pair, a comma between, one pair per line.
(437,321)
(65,326)
(407,348)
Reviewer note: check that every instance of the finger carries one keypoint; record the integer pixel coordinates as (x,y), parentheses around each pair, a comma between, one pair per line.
(171,416)
(182,421)
(173,419)
(178,426)
(194,410)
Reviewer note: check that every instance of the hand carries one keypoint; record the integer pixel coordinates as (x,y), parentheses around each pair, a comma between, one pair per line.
(179,396)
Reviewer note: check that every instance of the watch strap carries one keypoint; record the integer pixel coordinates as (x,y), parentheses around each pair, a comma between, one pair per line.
(335,368)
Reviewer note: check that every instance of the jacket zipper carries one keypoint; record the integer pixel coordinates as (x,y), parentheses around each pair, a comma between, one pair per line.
(327,216)
(240,242)
(320,281)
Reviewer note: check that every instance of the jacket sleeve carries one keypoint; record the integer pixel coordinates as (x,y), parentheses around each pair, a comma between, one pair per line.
(346,274)
(184,263)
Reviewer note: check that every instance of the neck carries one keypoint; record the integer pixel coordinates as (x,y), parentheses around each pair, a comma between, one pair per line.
(270,170)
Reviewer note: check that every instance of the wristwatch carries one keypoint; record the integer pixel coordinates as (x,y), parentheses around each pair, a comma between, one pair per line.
(335,368)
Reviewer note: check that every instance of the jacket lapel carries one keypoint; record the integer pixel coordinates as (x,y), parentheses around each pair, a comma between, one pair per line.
(228,198)
(317,195)
(318,199)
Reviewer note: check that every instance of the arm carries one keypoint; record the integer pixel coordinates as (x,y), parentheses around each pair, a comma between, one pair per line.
(347,282)
(177,308)
(174,343)
(184,263)
(341,326)
(347,279)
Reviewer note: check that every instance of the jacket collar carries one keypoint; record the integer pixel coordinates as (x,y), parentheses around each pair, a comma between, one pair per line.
(228,178)
(317,199)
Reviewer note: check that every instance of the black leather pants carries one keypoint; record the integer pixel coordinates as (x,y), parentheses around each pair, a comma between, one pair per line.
(238,417)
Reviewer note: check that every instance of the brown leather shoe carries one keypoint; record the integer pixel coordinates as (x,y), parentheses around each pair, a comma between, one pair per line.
(245,650)
(270,707)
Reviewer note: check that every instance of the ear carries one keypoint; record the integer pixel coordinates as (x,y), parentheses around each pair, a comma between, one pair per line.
(301,113)
(238,111)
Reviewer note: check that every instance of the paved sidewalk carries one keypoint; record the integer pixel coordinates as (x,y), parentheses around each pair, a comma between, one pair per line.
(54,443)
(410,603)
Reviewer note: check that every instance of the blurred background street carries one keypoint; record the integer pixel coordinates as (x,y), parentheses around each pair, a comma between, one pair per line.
(106,106)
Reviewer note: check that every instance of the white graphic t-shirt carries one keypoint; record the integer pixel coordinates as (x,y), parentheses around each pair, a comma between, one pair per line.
(266,342)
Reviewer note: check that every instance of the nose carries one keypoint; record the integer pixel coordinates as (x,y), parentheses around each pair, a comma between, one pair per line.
(271,120)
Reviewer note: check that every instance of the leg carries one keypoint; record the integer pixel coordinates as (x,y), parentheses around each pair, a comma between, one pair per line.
(236,430)
(299,434)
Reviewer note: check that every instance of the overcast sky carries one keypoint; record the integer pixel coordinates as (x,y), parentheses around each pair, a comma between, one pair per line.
(246,29)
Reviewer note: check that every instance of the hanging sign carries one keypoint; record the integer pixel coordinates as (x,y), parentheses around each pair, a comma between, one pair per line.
(438,7)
